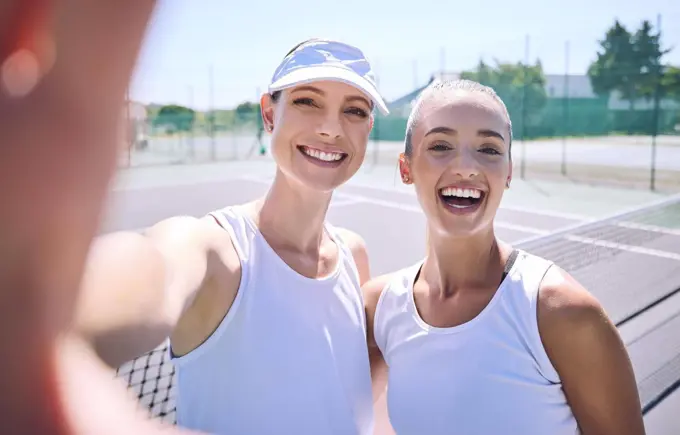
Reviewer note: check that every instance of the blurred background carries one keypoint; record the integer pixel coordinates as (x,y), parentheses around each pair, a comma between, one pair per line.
(593,87)
(593,91)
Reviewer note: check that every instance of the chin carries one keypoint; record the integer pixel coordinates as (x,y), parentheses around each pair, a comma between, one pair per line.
(460,223)
(319,180)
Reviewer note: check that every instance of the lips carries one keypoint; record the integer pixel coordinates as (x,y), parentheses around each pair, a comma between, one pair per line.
(462,199)
(323,157)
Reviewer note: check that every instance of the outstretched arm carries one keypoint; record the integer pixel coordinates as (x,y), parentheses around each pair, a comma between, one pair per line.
(137,286)
(586,350)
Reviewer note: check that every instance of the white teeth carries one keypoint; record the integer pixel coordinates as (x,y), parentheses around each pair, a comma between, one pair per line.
(461,193)
(322,155)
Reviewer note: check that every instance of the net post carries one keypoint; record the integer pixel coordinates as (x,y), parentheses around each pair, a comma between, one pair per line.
(524,109)
(655,113)
(211,111)
(376,124)
(192,125)
(129,138)
(565,109)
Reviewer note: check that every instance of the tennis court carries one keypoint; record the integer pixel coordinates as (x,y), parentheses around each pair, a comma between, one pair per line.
(630,261)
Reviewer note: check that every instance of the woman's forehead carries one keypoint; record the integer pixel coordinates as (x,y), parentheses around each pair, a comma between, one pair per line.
(332,89)
(460,109)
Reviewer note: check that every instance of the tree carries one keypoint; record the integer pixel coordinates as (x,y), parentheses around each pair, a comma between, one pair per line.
(179,117)
(247,111)
(614,69)
(630,63)
(648,57)
(670,83)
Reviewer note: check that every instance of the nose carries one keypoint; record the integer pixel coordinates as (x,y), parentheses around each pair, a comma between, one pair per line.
(329,126)
(465,163)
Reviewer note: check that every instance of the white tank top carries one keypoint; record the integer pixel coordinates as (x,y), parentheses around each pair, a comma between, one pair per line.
(490,375)
(290,357)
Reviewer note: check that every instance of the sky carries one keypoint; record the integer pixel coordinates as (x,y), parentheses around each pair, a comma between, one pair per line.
(220,53)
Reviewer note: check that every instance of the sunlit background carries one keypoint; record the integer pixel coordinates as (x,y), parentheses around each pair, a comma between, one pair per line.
(593,90)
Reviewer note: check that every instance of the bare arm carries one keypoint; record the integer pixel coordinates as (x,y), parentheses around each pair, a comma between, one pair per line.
(358,247)
(590,357)
(136,287)
(372,290)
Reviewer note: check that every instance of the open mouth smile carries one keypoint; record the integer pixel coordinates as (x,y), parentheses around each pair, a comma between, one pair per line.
(461,200)
(322,158)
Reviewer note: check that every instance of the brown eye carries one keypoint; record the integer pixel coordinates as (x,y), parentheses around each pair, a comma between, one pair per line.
(491,150)
(303,102)
(440,146)
(357,111)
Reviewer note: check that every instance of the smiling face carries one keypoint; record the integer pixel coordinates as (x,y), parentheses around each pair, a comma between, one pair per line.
(459,159)
(320,132)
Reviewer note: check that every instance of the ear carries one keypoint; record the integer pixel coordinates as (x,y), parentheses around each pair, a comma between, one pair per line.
(509,180)
(267,112)
(405,169)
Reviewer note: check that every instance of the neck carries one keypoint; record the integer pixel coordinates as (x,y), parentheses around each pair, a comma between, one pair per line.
(293,215)
(459,264)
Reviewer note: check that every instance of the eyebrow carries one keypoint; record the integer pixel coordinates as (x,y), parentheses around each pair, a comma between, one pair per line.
(357,98)
(453,132)
(322,93)
(444,130)
(308,88)
(490,133)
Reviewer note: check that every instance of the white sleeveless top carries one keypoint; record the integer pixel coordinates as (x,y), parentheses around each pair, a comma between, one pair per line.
(488,376)
(290,357)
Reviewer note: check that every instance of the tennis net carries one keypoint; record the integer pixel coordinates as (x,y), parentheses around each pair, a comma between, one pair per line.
(605,255)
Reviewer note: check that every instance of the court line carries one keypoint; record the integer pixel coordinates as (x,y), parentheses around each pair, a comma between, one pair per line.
(549,213)
(624,247)
(651,228)
(267,179)
(405,207)
(348,201)
(499,224)
(122,186)
(529,210)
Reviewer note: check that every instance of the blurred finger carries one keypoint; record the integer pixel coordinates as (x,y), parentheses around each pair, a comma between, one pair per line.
(64,68)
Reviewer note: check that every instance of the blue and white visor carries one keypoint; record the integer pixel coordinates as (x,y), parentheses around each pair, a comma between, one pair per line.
(328,60)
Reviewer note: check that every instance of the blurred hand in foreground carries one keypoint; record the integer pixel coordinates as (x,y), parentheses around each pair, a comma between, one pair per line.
(65,66)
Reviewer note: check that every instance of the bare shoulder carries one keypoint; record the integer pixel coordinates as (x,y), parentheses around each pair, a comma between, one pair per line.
(587,352)
(216,292)
(569,315)
(186,229)
(357,245)
(355,242)
(198,252)
(565,304)
(372,290)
